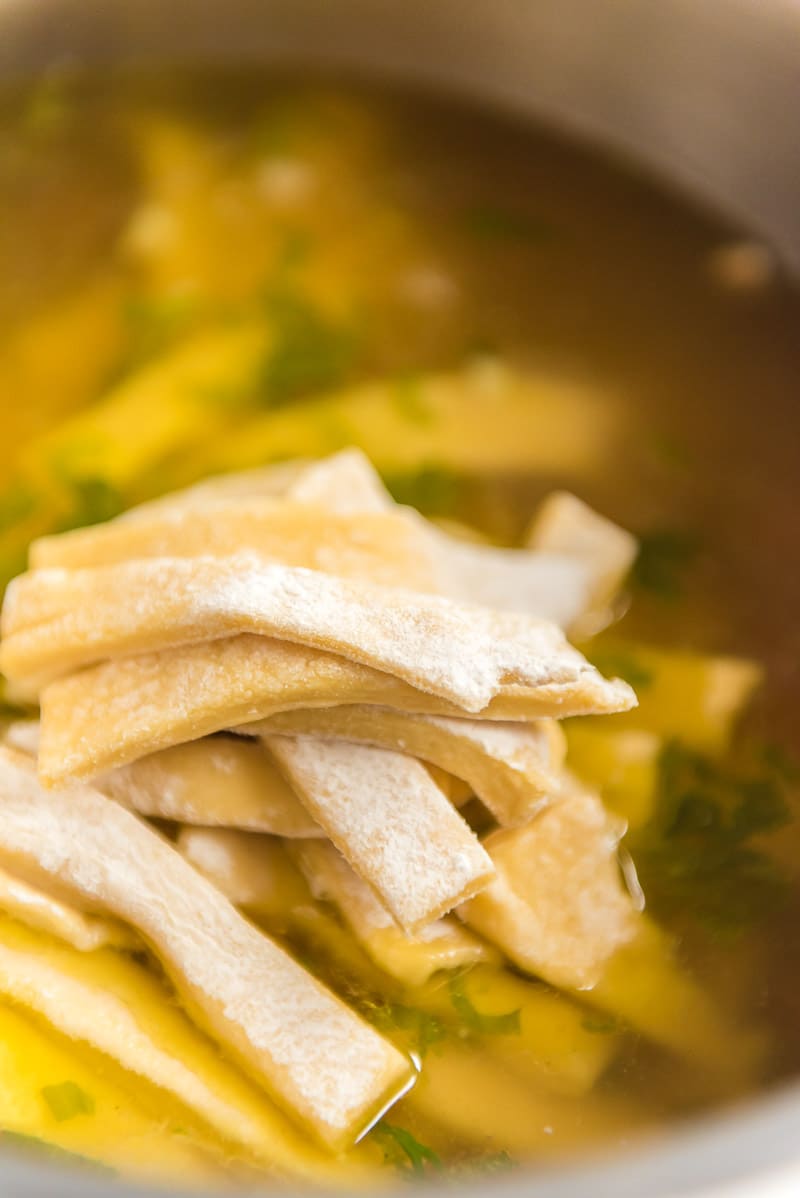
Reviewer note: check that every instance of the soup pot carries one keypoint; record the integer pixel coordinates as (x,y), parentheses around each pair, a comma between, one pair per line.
(704,94)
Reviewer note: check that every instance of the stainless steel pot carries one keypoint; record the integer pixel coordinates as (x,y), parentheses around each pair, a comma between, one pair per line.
(703,92)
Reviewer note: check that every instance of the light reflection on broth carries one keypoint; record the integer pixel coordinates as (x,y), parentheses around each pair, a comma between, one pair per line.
(386,237)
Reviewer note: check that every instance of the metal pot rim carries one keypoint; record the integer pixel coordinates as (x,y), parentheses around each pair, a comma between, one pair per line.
(705,99)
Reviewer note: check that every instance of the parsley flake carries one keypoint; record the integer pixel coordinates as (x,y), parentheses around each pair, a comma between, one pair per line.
(700,855)
(413,1160)
(433,490)
(311,352)
(425,1029)
(66,1100)
(623,663)
(664,557)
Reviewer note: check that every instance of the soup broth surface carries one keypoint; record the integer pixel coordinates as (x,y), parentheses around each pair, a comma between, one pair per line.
(388,237)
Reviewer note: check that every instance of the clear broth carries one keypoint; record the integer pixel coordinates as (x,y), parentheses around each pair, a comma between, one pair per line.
(448,235)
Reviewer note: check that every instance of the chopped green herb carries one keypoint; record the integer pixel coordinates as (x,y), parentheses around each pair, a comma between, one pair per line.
(696,857)
(310,353)
(622,663)
(17,1139)
(415,1161)
(601,1025)
(412,1160)
(153,322)
(409,399)
(664,556)
(94,502)
(66,1100)
(498,224)
(426,1029)
(487,1025)
(739,804)
(432,490)
(494,1162)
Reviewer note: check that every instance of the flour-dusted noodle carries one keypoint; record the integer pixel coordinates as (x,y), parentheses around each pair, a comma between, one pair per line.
(513,768)
(156,700)
(412,960)
(463,653)
(314,1055)
(386,815)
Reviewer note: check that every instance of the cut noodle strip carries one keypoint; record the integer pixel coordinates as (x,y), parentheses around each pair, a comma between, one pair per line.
(566,526)
(313,1054)
(220,781)
(252,870)
(558,907)
(160,699)
(512,768)
(386,815)
(464,654)
(381,546)
(216,782)
(412,960)
(119,1008)
(43,912)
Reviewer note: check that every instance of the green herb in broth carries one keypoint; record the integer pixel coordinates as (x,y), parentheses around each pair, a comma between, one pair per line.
(624,664)
(601,1025)
(425,1029)
(701,858)
(405,1153)
(94,500)
(691,697)
(68,1099)
(310,352)
(415,1162)
(664,558)
(705,853)
(432,490)
(493,1162)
